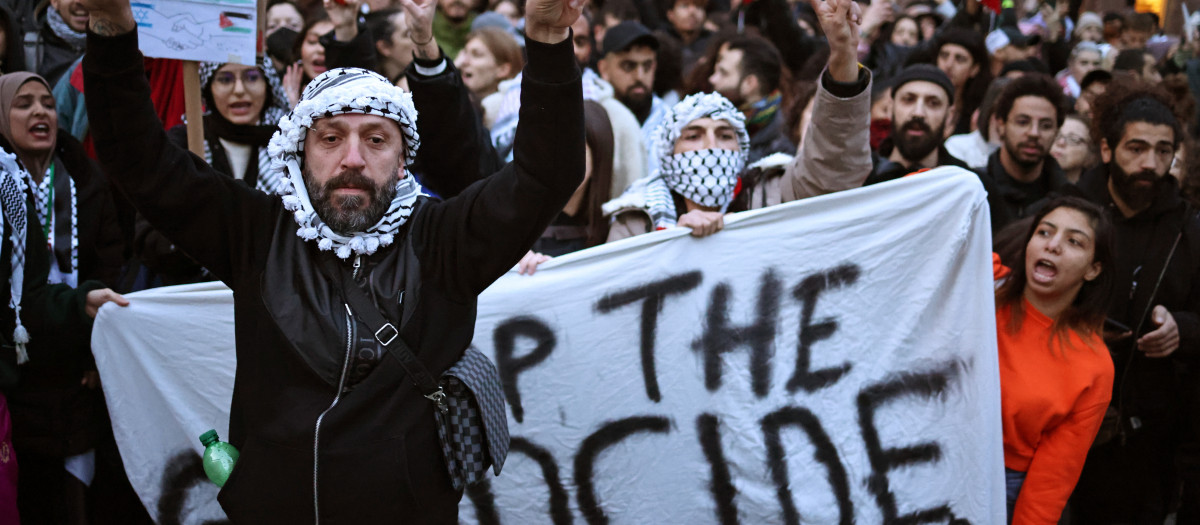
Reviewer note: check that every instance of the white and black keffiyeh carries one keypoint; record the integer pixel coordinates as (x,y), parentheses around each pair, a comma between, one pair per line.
(269,181)
(706,177)
(45,213)
(691,108)
(278,107)
(337,92)
(12,198)
(60,27)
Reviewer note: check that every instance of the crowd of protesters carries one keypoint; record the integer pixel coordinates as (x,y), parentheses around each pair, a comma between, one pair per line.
(1078,118)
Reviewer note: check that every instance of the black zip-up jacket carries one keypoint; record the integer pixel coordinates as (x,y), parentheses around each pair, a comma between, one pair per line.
(1149,387)
(1011,200)
(886,170)
(373,456)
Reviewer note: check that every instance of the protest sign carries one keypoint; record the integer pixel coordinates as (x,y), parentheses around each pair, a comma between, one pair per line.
(204,31)
(827,361)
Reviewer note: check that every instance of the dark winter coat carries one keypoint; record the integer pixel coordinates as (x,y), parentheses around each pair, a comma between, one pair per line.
(378,459)
(1010,199)
(53,414)
(1132,480)
(1143,241)
(886,170)
(48,311)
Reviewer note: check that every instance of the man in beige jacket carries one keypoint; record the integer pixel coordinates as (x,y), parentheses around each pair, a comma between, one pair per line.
(702,147)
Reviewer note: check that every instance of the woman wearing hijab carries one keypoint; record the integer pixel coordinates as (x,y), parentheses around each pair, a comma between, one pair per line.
(244,104)
(58,414)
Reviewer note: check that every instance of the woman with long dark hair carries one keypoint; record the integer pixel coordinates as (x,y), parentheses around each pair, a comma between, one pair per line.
(582,223)
(1056,375)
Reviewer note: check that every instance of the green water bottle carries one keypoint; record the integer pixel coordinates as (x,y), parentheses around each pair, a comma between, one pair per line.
(219,457)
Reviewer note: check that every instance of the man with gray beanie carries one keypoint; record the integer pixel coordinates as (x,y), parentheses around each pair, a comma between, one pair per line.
(354,294)
(922,102)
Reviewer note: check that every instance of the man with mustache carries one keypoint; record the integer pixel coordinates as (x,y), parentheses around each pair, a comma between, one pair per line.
(1150,437)
(353,293)
(922,97)
(628,61)
(1022,172)
(748,72)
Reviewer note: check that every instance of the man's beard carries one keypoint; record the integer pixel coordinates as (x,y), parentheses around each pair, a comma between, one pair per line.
(733,97)
(639,105)
(1015,153)
(1136,196)
(345,214)
(916,149)
(460,10)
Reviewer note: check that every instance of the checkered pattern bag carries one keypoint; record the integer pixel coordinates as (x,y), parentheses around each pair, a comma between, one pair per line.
(474,427)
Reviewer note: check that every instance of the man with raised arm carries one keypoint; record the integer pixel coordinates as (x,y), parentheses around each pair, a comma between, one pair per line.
(330,424)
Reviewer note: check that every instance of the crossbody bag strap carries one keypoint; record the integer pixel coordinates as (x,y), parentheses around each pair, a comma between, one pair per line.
(388,336)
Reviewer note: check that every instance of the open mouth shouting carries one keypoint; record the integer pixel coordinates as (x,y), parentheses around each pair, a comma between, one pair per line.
(40,131)
(1044,271)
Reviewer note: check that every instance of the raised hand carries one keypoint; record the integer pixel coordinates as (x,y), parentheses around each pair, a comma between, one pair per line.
(344,15)
(418,14)
(291,83)
(109,17)
(549,21)
(840,20)
(877,14)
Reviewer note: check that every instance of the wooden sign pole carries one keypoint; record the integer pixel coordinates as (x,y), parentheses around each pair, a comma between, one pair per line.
(191,100)
(262,27)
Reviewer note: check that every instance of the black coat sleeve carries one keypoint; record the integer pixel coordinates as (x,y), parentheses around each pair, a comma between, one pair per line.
(358,52)
(456,148)
(212,217)
(470,240)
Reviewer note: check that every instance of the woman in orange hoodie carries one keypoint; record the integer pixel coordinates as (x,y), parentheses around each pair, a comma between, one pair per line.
(1056,375)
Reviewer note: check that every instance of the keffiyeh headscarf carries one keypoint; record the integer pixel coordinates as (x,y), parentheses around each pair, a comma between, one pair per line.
(274,109)
(337,92)
(12,199)
(706,177)
(60,27)
(276,106)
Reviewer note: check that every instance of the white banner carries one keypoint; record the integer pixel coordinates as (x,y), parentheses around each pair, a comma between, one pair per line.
(203,30)
(827,361)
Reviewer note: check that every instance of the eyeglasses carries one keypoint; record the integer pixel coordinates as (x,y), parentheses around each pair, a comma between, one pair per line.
(249,77)
(1072,140)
